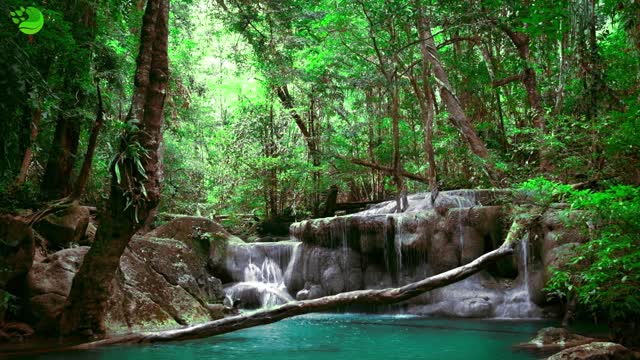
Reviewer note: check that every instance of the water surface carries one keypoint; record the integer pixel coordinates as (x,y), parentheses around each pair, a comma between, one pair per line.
(340,337)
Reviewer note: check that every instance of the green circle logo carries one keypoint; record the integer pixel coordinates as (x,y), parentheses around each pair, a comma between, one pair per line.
(29,20)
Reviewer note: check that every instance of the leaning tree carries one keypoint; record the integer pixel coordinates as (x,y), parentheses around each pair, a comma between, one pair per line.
(136,174)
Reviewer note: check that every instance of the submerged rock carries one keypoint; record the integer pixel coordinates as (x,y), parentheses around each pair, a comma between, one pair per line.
(596,351)
(161,283)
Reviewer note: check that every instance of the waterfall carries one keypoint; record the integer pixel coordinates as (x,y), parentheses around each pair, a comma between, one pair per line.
(524,248)
(345,250)
(517,302)
(263,286)
(397,242)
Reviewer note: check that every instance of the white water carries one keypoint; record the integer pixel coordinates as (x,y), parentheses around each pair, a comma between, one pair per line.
(265,282)
(397,242)
(517,302)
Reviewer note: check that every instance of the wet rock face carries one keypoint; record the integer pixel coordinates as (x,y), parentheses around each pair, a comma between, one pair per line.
(314,272)
(552,246)
(378,248)
(161,283)
(64,228)
(373,251)
(596,351)
(410,239)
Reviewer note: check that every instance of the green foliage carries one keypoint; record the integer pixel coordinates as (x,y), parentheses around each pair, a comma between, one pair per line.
(604,276)
(232,147)
(7,304)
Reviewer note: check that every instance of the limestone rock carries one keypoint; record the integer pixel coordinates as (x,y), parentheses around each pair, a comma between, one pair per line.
(89,235)
(17,249)
(189,227)
(206,235)
(14,332)
(49,283)
(65,227)
(596,351)
(161,283)
(551,339)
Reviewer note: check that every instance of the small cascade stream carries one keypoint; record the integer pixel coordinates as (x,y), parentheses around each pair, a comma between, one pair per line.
(517,302)
(397,241)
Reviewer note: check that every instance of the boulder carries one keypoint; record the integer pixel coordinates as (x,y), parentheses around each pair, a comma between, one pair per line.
(89,235)
(161,283)
(596,351)
(189,227)
(315,292)
(551,339)
(17,250)
(64,228)
(14,332)
(553,246)
(207,236)
(49,283)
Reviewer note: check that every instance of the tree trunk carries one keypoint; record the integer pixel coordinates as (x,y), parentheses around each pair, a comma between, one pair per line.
(425,101)
(397,165)
(56,182)
(28,153)
(456,113)
(135,182)
(528,78)
(307,133)
(83,177)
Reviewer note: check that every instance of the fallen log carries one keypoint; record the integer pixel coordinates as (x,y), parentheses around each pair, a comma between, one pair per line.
(294,308)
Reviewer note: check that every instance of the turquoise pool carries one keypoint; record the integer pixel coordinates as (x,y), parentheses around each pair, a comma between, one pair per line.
(340,337)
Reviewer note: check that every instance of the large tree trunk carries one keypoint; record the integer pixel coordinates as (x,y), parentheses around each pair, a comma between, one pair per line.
(83,177)
(427,112)
(308,133)
(135,182)
(56,182)
(528,77)
(456,112)
(28,153)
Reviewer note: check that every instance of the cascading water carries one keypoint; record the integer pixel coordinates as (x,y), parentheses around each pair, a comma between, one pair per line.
(463,200)
(517,302)
(263,286)
(397,241)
